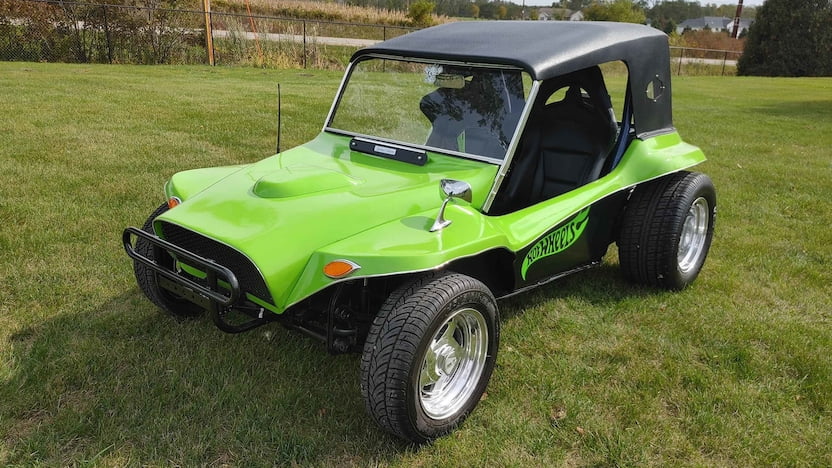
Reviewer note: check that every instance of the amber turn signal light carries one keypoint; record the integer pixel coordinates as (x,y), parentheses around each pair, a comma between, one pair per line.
(340,268)
(173,202)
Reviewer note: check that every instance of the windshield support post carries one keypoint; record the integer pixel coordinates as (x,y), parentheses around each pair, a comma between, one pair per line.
(512,147)
(338,95)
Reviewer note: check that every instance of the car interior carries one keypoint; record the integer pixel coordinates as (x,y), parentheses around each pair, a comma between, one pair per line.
(566,144)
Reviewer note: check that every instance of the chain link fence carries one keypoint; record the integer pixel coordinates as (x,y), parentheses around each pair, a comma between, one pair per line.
(693,61)
(79,32)
(71,31)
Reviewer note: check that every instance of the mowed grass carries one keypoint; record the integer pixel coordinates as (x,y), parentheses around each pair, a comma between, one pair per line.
(734,371)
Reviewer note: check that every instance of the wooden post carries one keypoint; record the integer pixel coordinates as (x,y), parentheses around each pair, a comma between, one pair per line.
(209,34)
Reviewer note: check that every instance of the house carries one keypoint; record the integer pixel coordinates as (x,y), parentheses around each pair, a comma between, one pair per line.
(745,23)
(545,14)
(713,23)
(554,14)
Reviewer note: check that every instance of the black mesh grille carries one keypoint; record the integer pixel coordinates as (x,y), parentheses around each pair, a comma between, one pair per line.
(250,279)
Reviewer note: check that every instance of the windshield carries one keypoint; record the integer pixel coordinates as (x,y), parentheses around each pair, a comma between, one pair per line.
(462,109)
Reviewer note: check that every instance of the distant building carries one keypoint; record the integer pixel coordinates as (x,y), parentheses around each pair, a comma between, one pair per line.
(545,14)
(745,23)
(713,23)
(556,14)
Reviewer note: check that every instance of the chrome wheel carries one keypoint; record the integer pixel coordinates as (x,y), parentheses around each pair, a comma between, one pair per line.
(453,364)
(667,229)
(694,235)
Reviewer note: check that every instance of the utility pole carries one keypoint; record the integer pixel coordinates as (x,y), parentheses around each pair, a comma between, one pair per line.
(736,32)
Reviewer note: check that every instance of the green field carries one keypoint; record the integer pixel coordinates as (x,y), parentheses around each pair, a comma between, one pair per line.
(734,371)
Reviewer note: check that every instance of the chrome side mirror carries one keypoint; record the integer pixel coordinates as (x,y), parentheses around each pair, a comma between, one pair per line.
(450,189)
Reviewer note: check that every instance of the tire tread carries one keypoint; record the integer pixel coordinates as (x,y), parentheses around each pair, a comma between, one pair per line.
(646,243)
(393,341)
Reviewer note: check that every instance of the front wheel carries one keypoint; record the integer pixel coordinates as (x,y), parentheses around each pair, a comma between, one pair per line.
(429,355)
(667,230)
(148,281)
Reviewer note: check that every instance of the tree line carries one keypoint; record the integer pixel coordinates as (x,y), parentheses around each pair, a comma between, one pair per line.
(662,14)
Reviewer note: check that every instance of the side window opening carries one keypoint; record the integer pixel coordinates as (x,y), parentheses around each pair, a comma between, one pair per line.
(571,139)
(617,81)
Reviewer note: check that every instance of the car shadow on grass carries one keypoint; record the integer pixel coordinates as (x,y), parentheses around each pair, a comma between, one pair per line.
(602,286)
(123,384)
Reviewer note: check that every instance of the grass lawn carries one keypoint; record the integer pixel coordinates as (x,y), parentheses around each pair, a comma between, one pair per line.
(734,371)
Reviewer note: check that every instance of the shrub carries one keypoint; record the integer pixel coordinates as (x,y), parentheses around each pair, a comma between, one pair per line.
(420,13)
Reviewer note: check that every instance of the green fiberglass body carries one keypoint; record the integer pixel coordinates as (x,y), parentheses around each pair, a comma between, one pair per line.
(458,165)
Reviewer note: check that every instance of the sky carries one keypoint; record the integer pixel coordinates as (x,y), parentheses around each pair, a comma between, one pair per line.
(704,2)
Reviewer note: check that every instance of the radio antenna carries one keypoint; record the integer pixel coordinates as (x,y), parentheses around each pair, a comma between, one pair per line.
(278,118)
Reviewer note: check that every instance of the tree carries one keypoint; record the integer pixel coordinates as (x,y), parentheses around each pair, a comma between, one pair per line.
(624,11)
(674,11)
(789,38)
(575,4)
(420,13)
(502,12)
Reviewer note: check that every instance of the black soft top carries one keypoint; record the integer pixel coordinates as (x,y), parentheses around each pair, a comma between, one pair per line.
(546,49)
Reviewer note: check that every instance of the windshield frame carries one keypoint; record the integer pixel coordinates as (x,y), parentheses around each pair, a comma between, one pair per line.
(512,144)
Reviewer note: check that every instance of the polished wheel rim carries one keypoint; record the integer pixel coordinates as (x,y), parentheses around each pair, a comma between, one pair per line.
(694,233)
(453,364)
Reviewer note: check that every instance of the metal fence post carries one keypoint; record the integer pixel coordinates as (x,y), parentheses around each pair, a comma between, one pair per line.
(724,59)
(304,43)
(213,49)
(681,59)
(107,36)
(384,33)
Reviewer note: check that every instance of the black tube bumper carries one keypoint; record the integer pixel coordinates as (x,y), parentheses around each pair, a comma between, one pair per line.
(210,296)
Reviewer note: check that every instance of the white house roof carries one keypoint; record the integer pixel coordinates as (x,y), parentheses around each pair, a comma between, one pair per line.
(708,22)
(715,23)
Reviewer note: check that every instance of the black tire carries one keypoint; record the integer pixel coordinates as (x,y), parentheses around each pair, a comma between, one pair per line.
(146,278)
(679,209)
(411,326)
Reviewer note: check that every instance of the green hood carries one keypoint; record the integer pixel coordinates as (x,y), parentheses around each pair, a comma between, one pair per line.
(281,210)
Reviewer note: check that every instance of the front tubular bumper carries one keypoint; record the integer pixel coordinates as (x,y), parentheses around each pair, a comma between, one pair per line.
(216,298)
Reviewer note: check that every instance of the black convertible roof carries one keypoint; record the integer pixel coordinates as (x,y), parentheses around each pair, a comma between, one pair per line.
(543,48)
(546,49)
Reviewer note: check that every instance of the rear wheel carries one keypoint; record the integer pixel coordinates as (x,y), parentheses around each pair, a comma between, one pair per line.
(147,280)
(667,230)
(429,355)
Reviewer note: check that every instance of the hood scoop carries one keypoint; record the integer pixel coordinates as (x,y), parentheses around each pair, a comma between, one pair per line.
(301,180)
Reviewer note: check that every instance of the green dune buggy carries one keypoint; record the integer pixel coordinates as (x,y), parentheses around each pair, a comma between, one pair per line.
(458,165)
